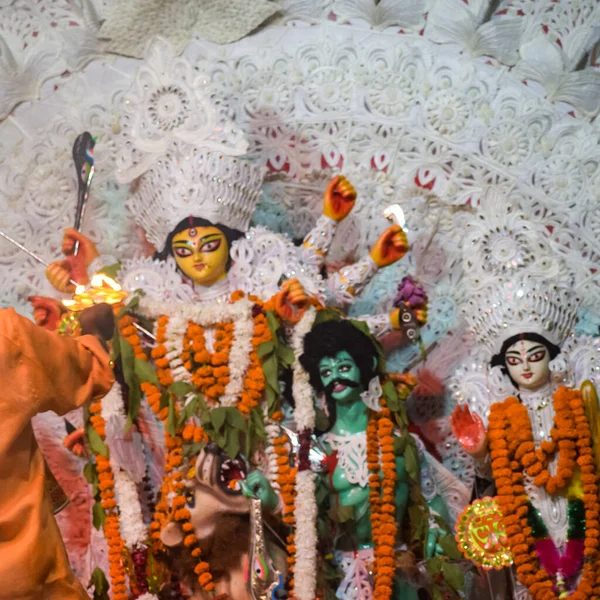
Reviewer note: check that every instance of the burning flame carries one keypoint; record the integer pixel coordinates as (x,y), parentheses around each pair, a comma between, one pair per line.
(102,289)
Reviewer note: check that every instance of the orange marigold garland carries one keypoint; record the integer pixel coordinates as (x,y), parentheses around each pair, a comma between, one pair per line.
(381,457)
(511,442)
(254,383)
(286,478)
(173,479)
(109,504)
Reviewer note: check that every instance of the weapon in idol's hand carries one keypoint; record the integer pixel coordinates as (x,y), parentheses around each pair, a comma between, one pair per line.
(395,215)
(102,289)
(83,157)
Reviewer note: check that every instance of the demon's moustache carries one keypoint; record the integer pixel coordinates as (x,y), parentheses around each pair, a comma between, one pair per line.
(340,381)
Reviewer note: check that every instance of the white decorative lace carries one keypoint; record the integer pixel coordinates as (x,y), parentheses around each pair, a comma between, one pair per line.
(350,281)
(352,455)
(356,584)
(372,395)
(320,237)
(379,325)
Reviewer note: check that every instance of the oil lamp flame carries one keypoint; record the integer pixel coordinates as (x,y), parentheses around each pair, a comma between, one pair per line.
(102,289)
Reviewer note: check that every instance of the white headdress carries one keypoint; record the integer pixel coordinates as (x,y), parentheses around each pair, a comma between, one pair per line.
(521,305)
(515,281)
(187,151)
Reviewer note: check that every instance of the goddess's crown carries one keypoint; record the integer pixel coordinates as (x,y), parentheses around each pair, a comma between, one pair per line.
(188,154)
(521,305)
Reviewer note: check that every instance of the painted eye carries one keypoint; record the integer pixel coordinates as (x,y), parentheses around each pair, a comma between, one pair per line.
(182,252)
(190,498)
(210,246)
(259,569)
(344,368)
(513,360)
(539,355)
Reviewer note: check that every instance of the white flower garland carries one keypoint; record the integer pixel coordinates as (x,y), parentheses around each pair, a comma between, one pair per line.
(305,513)
(273,431)
(239,313)
(304,413)
(176,328)
(305,569)
(133,529)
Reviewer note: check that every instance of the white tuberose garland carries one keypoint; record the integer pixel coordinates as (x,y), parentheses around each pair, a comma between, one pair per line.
(133,529)
(208,315)
(304,413)
(305,513)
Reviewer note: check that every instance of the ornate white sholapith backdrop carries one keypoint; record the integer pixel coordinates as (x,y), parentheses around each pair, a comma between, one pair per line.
(478,117)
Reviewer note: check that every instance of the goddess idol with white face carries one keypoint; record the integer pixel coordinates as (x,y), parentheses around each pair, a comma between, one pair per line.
(539,445)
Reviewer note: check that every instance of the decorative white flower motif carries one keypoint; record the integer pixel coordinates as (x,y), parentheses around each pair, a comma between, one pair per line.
(166,104)
(500,242)
(508,143)
(448,112)
(392,94)
(561,179)
(329,88)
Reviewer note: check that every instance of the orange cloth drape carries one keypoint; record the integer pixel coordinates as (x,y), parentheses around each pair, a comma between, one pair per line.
(39,371)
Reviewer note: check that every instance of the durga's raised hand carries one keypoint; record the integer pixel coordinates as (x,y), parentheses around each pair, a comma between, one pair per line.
(391,246)
(339,198)
(469,430)
(62,273)
(291,301)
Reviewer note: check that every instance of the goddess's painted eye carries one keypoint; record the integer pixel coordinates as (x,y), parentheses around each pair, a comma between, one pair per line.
(513,360)
(539,355)
(345,368)
(210,246)
(182,252)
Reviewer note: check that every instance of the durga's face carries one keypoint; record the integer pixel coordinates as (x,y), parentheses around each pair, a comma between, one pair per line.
(202,254)
(528,364)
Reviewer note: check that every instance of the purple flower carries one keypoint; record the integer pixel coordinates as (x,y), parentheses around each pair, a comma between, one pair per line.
(410,293)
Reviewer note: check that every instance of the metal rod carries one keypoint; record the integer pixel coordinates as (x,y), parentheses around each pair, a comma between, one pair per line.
(145,331)
(39,259)
(30,253)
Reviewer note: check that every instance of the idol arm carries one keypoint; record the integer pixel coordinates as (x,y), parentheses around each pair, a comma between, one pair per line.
(350,281)
(319,240)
